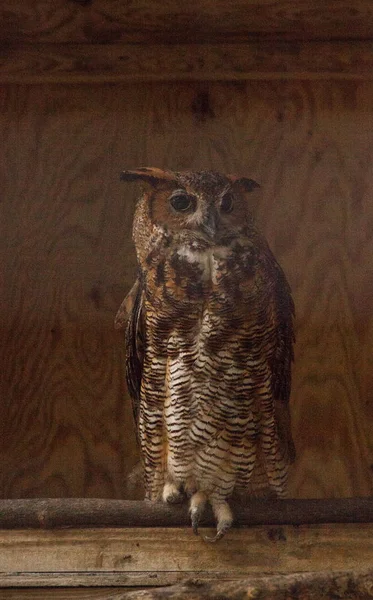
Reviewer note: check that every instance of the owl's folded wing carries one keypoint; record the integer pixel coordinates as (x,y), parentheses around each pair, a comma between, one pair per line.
(125,309)
(283,357)
(131,316)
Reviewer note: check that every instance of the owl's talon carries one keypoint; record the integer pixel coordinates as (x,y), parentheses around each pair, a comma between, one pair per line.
(197,506)
(195,523)
(219,534)
(215,538)
(195,515)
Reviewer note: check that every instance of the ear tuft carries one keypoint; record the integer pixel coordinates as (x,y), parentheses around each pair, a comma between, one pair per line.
(248,185)
(150,175)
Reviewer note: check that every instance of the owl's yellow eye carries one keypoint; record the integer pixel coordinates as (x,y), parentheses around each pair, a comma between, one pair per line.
(226,204)
(182,202)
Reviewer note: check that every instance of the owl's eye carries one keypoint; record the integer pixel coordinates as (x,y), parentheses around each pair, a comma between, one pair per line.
(182,202)
(226,204)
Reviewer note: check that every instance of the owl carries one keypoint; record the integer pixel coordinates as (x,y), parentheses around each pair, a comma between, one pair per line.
(209,344)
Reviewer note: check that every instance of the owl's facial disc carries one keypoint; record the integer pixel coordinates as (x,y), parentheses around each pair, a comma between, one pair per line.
(213,215)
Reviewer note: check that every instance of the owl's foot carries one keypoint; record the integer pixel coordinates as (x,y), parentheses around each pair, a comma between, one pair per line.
(222,512)
(224,519)
(197,507)
(171,493)
(221,531)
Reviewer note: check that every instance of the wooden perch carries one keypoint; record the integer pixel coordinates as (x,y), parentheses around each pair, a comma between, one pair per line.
(85,512)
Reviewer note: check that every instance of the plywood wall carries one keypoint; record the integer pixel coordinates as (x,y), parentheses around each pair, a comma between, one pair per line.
(67,261)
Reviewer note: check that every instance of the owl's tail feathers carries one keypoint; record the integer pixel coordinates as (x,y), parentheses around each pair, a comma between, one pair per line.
(222,512)
(224,518)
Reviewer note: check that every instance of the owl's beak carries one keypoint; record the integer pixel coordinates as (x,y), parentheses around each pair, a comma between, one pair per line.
(210,224)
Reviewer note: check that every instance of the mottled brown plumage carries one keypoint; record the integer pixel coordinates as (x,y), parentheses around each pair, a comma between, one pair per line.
(209,338)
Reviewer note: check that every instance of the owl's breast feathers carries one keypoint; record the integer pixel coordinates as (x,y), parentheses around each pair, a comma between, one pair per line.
(192,269)
(209,351)
(185,278)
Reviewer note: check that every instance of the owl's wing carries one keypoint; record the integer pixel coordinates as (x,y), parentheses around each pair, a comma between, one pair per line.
(125,309)
(283,357)
(131,315)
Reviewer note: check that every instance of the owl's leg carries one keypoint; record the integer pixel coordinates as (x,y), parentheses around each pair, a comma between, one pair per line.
(190,486)
(171,493)
(224,518)
(197,507)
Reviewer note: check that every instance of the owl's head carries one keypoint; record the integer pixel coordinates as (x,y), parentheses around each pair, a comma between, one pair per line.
(201,204)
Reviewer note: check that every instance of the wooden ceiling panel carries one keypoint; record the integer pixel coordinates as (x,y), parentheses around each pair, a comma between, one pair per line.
(89,63)
(177,21)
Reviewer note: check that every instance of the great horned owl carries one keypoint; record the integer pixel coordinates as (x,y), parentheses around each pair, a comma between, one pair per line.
(209,341)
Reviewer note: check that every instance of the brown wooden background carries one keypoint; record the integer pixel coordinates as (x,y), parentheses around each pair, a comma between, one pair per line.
(67,258)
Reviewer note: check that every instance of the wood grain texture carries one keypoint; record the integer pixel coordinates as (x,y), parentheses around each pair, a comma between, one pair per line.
(132,557)
(67,261)
(95,63)
(67,430)
(63,594)
(324,585)
(304,586)
(202,21)
(86,512)
(309,586)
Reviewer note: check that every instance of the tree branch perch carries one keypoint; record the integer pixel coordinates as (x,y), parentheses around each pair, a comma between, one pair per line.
(86,512)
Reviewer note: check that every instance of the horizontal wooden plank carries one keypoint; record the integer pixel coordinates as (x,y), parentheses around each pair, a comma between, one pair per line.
(77,63)
(158,556)
(107,593)
(354,585)
(93,579)
(304,586)
(55,513)
(177,21)
(318,585)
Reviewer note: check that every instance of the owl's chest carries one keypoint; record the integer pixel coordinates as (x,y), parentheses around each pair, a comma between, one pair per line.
(191,275)
(205,295)
(205,267)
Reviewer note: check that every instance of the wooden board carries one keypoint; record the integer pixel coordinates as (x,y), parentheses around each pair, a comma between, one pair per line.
(324,585)
(67,261)
(95,63)
(153,557)
(202,21)
(319,585)
(110,593)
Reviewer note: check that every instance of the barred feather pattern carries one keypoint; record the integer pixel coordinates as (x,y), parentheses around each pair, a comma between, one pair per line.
(206,412)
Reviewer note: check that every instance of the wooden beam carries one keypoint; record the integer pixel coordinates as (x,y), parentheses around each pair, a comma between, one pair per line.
(304,586)
(105,21)
(86,512)
(152,557)
(354,585)
(91,63)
